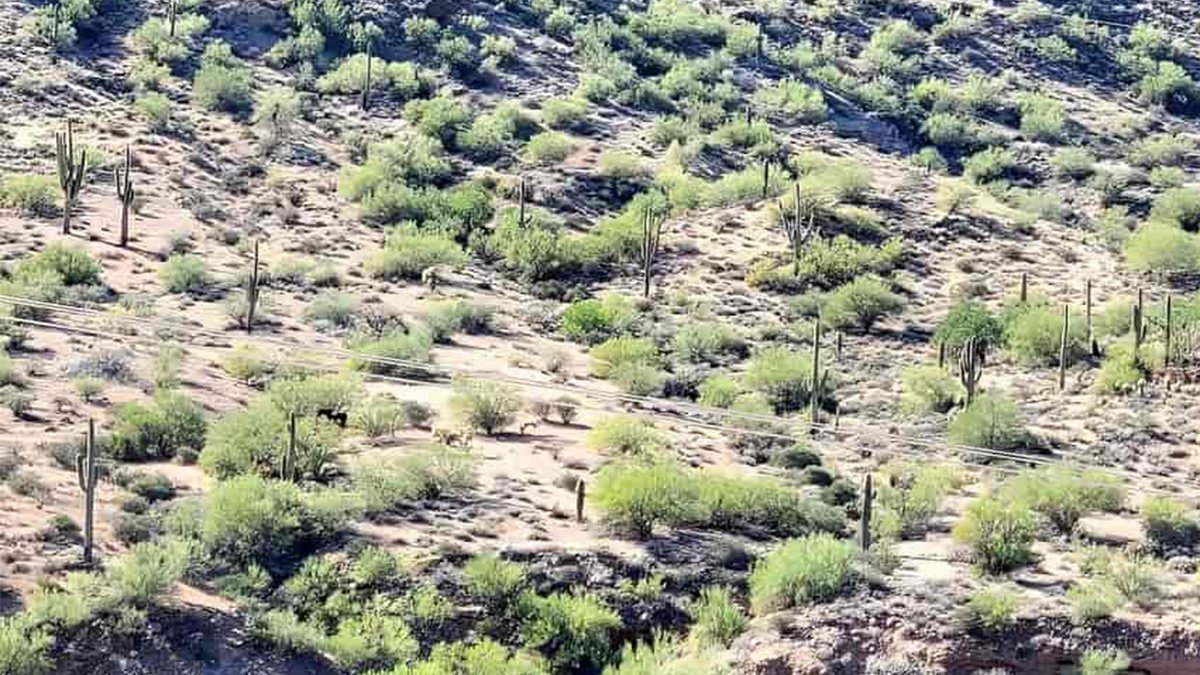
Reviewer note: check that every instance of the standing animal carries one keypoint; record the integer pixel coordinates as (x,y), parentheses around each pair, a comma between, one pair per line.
(335,415)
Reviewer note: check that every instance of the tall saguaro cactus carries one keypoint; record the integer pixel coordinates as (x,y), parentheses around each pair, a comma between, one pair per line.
(522,193)
(864,527)
(125,193)
(580,497)
(88,474)
(71,171)
(652,226)
(818,380)
(252,292)
(800,226)
(172,15)
(970,367)
(366,91)
(289,458)
(1062,348)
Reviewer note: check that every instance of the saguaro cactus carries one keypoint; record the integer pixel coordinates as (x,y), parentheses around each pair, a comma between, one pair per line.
(1093,344)
(288,471)
(580,496)
(970,367)
(1138,321)
(88,474)
(1062,348)
(800,225)
(864,526)
(818,381)
(522,190)
(172,15)
(252,292)
(125,194)
(71,171)
(1167,333)
(366,91)
(652,226)
(1024,292)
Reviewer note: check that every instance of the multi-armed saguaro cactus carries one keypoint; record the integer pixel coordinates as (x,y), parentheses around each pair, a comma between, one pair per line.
(652,226)
(88,474)
(970,367)
(71,170)
(800,225)
(125,193)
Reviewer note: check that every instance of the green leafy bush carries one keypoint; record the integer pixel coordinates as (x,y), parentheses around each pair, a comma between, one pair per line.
(1159,150)
(1169,524)
(1179,206)
(550,147)
(448,317)
(1033,333)
(1073,163)
(158,431)
(784,377)
(829,264)
(1062,496)
(1103,662)
(989,165)
(815,568)
(487,406)
(610,356)
(378,356)
(717,620)
(407,253)
(496,584)
(999,532)
(989,422)
(718,391)
(992,608)
(861,303)
(573,631)
(223,81)
(705,342)
(184,273)
(910,497)
(433,473)
(1162,248)
(929,389)
(641,497)
(254,441)
(793,99)
(441,117)
(969,319)
(625,435)
(29,193)
(564,113)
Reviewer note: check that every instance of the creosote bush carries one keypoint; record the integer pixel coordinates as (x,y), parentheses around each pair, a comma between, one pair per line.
(486,406)
(989,422)
(998,531)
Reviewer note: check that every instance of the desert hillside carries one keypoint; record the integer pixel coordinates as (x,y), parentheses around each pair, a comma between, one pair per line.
(574,337)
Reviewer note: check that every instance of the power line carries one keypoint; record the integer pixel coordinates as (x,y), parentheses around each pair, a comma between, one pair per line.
(724,428)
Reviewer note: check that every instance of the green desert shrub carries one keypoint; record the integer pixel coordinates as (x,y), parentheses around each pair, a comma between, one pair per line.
(705,342)
(407,253)
(1093,600)
(718,391)
(1062,496)
(929,389)
(184,273)
(784,377)
(989,422)
(969,319)
(1179,206)
(254,441)
(1163,249)
(157,109)
(829,264)
(1159,150)
(333,309)
(610,356)
(811,569)
(432,473)
(1073,163)
(448,317)
(717,620)
(910,497)
(989,165)
(1033,334)
(486,406)
(793,99)
(157,431)
(625,435)
(29,193)
(547,148)
(481,658)
(564,113)
(1169,524)
(861,303)
(992,608)
(222,81)
(496,584)
(640,497)
(1042,118)
(1103,662)
(575,632)
(441,117)
(379,356)
(998,531)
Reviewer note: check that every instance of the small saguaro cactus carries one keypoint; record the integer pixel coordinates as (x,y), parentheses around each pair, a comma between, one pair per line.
(800,225)
(1062,348)
(652,226)
(125,193)
(71,171)
(766,173)
(88,474)
(818,379)
(864,525)
(970,367)
(252,292)
(1167,333)
(522,193)
(1093,344)
(580,496)
(1138,321)
(1024,292)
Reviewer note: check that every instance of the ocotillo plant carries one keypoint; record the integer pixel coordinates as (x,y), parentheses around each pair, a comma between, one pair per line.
(71,170)
(652,226)
(366,90)
(800,225)
(252,292)
(1062,348)
(88,474)
(970,367)
(125,194)
(580,496)
(864,526)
